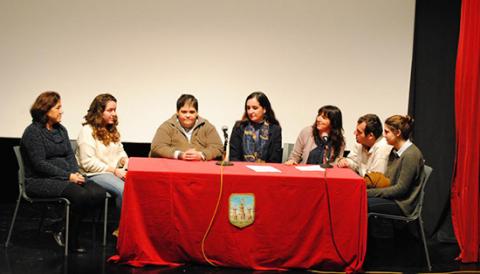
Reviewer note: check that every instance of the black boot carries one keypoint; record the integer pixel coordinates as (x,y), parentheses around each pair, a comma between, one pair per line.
(73,242)
(74,247)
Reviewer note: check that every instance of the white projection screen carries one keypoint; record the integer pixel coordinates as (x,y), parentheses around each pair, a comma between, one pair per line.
(302,53)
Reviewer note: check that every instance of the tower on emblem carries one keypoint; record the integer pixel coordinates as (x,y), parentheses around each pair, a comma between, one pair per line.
(241,209)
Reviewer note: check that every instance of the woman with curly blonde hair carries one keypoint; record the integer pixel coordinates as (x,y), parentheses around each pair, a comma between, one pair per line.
(100,153)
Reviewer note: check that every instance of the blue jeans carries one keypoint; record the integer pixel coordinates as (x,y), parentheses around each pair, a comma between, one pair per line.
(112,184)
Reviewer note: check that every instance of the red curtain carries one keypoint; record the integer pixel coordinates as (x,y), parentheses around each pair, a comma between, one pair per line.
(465,185)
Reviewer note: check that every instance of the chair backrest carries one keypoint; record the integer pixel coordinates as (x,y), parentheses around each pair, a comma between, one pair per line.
(21,172)
(74,145)
(427,171)
(287,149)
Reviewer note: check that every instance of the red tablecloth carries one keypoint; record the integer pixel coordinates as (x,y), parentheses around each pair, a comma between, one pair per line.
(302,219)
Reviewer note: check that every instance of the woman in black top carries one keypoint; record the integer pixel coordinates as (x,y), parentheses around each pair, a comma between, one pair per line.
(258,136)
(50,166)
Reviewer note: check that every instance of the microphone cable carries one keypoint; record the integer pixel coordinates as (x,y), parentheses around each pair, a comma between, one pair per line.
(331,221)
(213,218)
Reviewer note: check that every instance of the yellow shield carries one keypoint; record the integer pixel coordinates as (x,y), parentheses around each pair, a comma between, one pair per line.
(241,209)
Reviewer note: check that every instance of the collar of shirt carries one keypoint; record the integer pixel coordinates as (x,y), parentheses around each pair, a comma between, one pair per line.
(404,147)
(375,146)
(188,133)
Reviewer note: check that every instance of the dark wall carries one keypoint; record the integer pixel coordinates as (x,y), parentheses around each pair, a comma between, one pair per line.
(432,105)
(9,179)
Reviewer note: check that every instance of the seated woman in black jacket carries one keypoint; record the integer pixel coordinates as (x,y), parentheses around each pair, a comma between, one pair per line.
(51,169)
(258,136)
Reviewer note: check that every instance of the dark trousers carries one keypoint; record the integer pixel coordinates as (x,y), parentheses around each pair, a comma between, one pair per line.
(84,199)
(382,228)
(385,206)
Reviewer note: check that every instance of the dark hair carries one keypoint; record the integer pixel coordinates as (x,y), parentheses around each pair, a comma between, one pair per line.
(94,117)
(187,99)
(334,114)
(402,123)
(372,124)
(264,103)
(44,102)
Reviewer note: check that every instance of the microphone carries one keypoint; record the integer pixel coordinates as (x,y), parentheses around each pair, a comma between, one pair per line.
(326,153)
(226,149)
(225,135)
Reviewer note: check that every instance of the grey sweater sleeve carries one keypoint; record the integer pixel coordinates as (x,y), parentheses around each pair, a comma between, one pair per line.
(403,176)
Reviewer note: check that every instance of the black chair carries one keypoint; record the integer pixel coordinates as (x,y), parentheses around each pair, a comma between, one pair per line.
(23,195)
(416,214)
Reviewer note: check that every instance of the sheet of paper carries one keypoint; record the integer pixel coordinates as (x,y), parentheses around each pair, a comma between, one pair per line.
(310,168)
(263,168)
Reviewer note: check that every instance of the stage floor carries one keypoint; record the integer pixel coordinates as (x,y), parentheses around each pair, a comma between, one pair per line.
(32,251)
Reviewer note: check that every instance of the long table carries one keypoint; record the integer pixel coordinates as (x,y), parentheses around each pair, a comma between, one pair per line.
(301,219)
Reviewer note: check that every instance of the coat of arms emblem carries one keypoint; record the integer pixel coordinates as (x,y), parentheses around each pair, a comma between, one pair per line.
(241,209)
